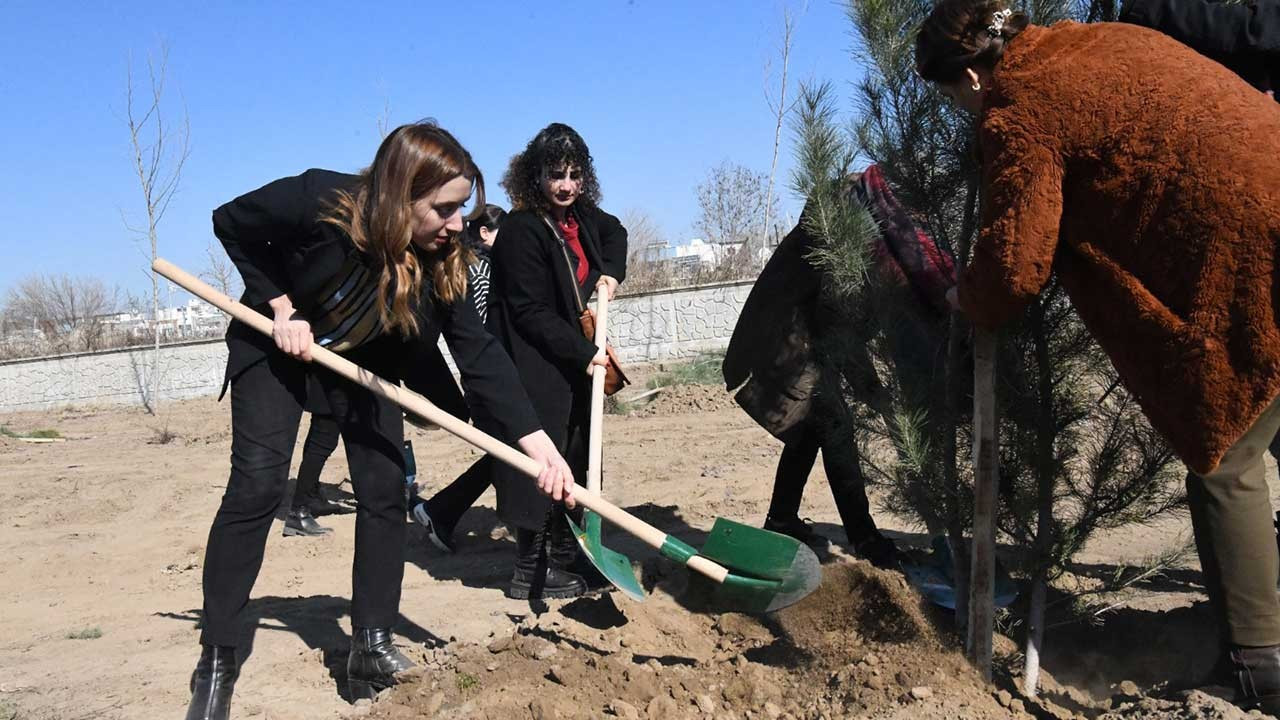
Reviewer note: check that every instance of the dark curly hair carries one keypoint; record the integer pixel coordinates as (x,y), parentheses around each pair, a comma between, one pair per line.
(555,146)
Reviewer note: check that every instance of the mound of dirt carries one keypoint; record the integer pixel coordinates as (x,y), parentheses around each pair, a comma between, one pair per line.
(1196,706)
(685,399)
(860,646)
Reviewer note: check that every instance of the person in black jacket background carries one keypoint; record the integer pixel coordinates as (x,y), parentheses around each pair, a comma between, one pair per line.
(369,266)
(439,514)
(557,245)
(1243,36)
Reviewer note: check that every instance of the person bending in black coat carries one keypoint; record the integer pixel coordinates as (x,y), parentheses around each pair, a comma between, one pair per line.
(368,266)
(557,245)
(1243,36)
(439,514)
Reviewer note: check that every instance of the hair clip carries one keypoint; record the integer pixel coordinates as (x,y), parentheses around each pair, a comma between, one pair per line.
(997,22)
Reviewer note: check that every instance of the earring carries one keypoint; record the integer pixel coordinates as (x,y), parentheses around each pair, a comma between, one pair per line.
(976,86)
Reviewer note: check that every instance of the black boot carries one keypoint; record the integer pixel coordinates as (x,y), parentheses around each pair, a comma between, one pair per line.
(320,506)
(212,683)
(566,554)
(373,662)
(793,527)
(300,521)
(877,550)
(535,577)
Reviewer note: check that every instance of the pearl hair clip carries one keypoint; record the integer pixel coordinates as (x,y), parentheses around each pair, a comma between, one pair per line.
(997,22)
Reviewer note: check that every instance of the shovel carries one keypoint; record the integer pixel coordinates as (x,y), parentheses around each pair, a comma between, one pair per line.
(755,570)
(612,564)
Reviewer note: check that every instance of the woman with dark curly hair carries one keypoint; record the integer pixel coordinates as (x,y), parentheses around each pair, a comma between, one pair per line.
(557,246)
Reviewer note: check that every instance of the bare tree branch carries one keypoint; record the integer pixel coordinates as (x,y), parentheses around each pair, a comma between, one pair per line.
(780,110)
(158,154)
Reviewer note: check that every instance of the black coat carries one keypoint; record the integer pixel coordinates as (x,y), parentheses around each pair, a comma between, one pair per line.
(276,238)
(534,312)
(532,309)
(1245,37)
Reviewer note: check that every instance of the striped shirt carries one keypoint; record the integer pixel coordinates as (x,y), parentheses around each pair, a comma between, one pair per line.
(478,285)
(345,314)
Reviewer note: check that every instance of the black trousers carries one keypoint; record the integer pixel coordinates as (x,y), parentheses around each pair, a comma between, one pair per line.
(266,408)
(447,505)
(520,503)
(322,440)
(828,428)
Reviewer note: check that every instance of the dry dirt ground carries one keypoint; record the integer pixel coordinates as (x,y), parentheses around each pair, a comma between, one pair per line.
(102,540)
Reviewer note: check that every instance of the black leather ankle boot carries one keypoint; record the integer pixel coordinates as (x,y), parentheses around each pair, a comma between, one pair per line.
(565,553)
(212,683)
(535,576)
(373,662)
(301,522)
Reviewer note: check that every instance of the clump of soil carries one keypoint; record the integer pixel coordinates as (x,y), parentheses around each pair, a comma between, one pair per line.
(1195,706)
(859,646)
(685,399)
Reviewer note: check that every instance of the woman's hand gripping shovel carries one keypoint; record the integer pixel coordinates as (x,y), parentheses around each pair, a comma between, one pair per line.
(615,566)
(755,570)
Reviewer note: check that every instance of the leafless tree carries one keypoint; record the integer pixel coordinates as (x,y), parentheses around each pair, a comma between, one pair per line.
(732,201)
(779,107)
(384,119)
(158,152)
(220,272)
(646,268)
(67,311)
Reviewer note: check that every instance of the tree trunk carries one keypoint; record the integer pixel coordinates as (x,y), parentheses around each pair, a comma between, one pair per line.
(781,115)
(1045,475)
(1035,636)
(955,382)
(951,473)
(986,458)
(153,403)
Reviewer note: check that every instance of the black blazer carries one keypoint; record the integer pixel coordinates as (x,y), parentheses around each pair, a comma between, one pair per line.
(1245,37)
(276,237)
(533,310)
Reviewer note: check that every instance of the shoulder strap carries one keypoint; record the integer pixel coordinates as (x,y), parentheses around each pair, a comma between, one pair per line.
(564,249)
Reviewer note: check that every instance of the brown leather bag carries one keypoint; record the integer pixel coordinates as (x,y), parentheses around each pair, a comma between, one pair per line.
(614,378)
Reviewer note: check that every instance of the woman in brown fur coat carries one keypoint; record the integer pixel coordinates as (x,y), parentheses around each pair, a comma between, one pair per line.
(1146,177)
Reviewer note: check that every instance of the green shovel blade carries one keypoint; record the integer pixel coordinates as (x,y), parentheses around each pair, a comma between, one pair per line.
(615,566)
(767,571)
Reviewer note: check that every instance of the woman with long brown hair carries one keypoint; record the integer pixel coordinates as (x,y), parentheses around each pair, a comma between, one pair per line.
(369,266)
(1106,161)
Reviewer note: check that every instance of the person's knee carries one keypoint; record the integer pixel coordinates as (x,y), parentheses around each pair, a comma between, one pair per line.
(257,481)
(254,496)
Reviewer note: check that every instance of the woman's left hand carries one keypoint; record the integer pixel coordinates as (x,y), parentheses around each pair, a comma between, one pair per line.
(609,284)
(556,479)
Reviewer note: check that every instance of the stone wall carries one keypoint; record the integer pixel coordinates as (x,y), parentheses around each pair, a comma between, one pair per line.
(651,327)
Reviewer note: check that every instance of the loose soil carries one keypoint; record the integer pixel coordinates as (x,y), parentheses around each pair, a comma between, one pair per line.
(103,539)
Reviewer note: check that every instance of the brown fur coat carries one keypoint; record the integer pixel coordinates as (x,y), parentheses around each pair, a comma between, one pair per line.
(1148,178)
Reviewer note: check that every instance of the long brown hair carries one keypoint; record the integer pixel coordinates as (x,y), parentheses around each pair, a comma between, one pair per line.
(961,34)
(412,162)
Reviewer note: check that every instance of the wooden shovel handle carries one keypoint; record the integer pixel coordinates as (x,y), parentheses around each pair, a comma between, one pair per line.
(595,454)
(415,403)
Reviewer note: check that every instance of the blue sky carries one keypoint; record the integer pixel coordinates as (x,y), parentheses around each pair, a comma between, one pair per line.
(662,91)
